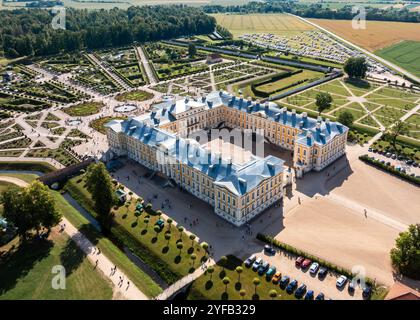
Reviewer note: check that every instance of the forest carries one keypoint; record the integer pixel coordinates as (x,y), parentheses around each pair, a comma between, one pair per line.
(29,32)
(316,11)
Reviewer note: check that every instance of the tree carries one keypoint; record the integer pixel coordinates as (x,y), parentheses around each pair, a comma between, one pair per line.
(181,230)
(205,247)
(395,130)
(167,238)
(169,221)
(405,256)
(222,262)
(193,257)
(192,238)
(226,281)
(146,222)
(323,101)
(192,50)
(32,208)
(346,118)
(242,293)
(256,281)
(137,213)
(356,67)
(210,271)
(273,294)
(239,270)
(99,184)
(179,246)
(157,230)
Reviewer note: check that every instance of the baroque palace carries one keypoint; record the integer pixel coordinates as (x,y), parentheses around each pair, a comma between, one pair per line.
(238,191)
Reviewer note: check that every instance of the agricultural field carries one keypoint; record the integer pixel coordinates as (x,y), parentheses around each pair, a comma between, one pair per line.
(279,24)
(372,106)
(376,36)
(405,54)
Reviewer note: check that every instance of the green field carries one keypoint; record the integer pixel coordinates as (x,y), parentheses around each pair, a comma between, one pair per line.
(26,271)
(405,54)
(84,109)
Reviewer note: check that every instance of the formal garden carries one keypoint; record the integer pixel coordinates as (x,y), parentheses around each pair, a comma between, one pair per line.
(124,63)
(171,62)
(135,95)
(84,109)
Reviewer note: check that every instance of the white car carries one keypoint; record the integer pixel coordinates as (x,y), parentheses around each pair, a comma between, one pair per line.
(314,268)
(341,281)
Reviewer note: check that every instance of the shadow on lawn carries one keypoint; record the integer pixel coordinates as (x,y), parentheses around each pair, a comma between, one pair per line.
(72,256)
(17,263)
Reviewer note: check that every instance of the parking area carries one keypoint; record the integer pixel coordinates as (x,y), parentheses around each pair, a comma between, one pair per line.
(285,263)
(392,159)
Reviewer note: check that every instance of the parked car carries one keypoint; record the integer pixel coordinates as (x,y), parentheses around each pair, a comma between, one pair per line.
(269,249)
(276,277)
(270,273)
(306,263)
(309,295)
(257,264)
(351,287)
(415,164)
(388,163)
(367,291)
(341,281)
(322,273)
(263,268)
(370,149)
(394,156)
(320,296)
(388,154)
(299,261)
(248,262)
(284,281)
(300,291)
(291,286)
(409,162)
(314,268)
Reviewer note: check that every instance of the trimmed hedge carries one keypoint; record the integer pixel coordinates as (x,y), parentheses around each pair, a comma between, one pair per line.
(290,249)
(376,163)
(43,167)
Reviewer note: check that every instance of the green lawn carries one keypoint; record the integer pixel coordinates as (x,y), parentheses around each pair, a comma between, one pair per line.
(136,275)
(27,271)
(137,95)
(84,109)
(205,289)
(405,54)
(162,255)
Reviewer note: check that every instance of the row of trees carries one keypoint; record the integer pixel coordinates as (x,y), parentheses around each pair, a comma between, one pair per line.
(29,32)
(317,11)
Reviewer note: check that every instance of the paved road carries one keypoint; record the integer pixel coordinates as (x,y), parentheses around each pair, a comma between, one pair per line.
(146,64)
(374,56)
